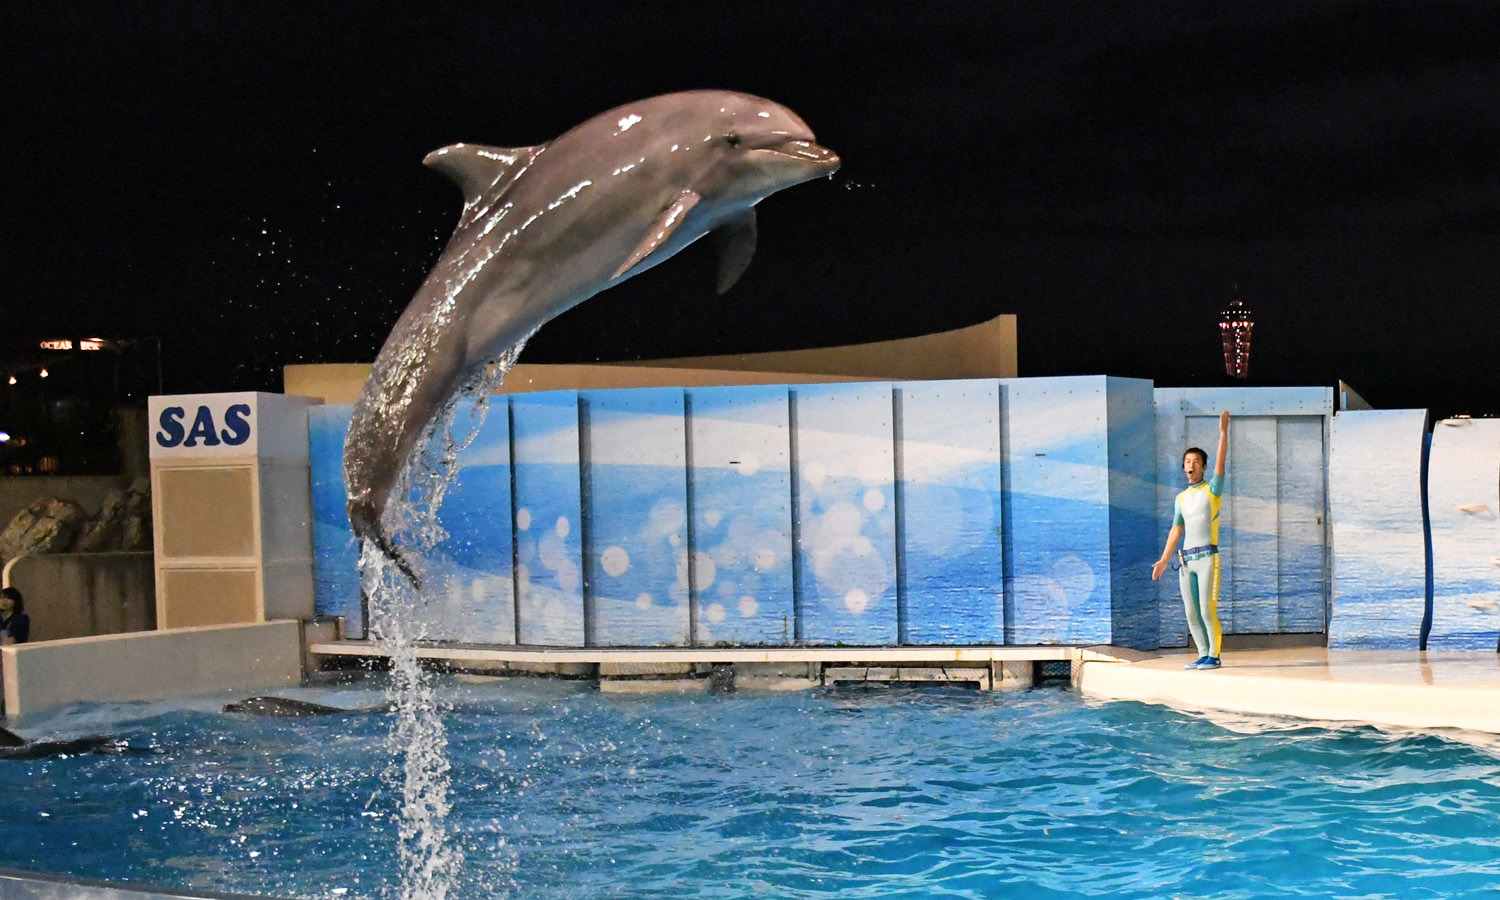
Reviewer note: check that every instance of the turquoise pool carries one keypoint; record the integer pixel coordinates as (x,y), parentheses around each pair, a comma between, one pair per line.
(563,792)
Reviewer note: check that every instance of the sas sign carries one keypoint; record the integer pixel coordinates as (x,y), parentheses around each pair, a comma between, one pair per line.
(205,429)
(203,425)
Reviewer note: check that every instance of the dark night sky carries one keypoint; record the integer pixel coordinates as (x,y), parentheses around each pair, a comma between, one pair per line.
(244,180)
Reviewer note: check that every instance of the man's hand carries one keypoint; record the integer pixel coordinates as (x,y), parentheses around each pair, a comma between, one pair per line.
(1223,421)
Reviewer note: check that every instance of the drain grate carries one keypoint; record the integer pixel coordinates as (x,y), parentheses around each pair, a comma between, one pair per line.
(1054,670)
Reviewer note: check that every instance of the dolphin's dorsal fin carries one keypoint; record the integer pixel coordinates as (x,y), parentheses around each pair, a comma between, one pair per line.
(478,170)
(661,229)
(736,240)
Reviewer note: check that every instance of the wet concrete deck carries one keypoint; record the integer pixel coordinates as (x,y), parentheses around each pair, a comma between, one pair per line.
(1392,688)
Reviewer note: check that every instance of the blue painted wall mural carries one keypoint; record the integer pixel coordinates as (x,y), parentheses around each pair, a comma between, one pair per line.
(845,527)
(952,558)
(1057,548)
(472,592)
(1375,498)
(636,548)
(1135,621)
(470,596)
(548,516)
(335,552)
(741,496)
(1021,511)
(1463,500)
(1301,523)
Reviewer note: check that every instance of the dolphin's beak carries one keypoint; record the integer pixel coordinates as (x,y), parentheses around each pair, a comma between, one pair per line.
(807,152)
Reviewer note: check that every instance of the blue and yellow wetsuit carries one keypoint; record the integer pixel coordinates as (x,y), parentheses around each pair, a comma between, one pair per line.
(1197,511)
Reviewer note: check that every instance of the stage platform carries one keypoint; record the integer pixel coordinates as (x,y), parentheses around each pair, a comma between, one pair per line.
(1384,688)
(1407,689)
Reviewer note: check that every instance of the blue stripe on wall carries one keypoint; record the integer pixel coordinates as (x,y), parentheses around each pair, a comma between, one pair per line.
(1464,515)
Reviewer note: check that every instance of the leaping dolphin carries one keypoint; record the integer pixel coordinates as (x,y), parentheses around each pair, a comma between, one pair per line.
(545,228)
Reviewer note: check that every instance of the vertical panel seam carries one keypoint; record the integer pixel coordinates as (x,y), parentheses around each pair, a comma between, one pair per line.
(1007,536)
(1426,628)
(515,548)
(898,512)
(585,510)
(791,416)
(692,529)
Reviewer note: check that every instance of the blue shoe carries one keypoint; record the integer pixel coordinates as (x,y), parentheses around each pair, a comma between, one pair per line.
(1197,663)
(1209,662)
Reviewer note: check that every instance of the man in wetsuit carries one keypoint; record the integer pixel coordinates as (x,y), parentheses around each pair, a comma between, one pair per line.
(1195,522)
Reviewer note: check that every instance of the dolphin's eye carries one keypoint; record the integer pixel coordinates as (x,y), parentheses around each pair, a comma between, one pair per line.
(732,139)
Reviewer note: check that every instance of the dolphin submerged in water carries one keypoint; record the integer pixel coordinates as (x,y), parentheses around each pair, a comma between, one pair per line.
(545,228)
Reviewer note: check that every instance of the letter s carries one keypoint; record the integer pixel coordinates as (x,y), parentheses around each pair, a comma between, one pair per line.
(238,431)
(171,433)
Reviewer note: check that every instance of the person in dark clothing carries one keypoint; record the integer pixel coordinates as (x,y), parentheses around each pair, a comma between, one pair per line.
(15,625)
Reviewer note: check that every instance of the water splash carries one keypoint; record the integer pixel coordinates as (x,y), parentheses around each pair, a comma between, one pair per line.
(429,863)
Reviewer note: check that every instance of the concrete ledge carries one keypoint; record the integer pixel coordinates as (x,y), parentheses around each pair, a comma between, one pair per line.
(150,665)
(655,685)
(1393,688)
(461,654)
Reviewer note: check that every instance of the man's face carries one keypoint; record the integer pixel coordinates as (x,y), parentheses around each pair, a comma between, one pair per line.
(1193,466)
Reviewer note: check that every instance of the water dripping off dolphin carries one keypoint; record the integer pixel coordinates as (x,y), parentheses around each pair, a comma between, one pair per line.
(545,228)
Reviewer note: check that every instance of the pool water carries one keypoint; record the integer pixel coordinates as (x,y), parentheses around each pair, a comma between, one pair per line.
(563,792)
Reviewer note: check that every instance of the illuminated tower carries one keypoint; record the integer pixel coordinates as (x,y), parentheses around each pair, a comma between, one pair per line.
(1235,324)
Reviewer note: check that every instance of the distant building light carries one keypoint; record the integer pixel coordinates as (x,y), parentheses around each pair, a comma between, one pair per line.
(44,373)
(12,379)
(4,437)
(1236,324)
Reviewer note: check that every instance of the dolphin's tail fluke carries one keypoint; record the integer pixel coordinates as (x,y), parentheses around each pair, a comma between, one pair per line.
(366,524)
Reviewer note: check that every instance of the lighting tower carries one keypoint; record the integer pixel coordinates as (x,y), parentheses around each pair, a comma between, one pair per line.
(1235,324)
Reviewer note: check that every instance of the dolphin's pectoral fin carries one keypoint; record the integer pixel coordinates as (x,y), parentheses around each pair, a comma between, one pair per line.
(660,230)
(479,171)
(736,239)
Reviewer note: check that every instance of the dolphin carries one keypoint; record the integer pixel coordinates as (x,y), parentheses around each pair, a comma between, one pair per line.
(13,746)
(546,227)
(285,707)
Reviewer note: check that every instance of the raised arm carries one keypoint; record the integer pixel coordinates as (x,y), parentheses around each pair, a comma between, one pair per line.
(1223,442)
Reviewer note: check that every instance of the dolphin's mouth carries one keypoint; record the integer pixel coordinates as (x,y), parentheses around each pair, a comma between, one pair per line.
(803,151)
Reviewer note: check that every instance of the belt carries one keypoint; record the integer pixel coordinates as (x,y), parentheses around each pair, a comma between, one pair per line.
(1192,553)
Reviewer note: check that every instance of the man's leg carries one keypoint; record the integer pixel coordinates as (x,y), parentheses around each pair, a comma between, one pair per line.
(1187,582)
(1209,601)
